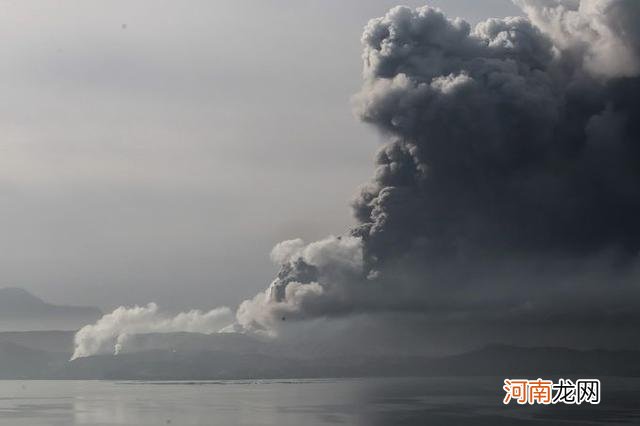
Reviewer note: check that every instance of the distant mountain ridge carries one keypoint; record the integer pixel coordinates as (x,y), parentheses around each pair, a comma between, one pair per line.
(192,356)
(21,311)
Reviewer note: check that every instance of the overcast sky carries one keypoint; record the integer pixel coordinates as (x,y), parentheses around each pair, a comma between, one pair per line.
(156,151)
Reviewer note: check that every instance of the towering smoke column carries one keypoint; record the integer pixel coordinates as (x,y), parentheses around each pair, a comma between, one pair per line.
(510,188)
(508,193)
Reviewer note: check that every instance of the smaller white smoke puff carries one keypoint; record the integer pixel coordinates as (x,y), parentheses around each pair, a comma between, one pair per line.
(262,313)
(334,259)
(343,253)
(109,333)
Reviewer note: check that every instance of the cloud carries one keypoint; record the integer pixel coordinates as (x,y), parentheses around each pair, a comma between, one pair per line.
(506,195)
(110,333)
(511,170)
(602,35)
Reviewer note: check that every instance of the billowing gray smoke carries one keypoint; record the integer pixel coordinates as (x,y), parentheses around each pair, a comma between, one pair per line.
(507,197)
(510,188)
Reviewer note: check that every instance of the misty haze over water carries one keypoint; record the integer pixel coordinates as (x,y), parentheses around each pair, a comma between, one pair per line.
(320,402)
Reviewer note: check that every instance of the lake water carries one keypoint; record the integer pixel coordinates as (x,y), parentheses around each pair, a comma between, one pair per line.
(366,402)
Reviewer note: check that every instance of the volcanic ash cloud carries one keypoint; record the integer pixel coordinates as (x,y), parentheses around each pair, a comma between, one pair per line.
(509,187)
(507,193)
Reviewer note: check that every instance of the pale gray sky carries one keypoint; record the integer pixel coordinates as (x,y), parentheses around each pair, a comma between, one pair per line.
(156,151)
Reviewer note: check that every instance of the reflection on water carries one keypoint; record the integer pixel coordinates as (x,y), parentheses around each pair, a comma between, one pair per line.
(366,402)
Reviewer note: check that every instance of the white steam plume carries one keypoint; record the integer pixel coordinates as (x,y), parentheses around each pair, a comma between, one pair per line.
(109,333)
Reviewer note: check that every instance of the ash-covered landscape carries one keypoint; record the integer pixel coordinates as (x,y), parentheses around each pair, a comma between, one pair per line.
(319,212)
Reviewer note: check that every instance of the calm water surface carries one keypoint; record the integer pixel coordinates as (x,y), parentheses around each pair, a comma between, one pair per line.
(367,402)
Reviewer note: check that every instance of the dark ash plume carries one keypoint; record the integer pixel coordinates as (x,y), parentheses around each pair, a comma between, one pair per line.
(506,200)
(510,189)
